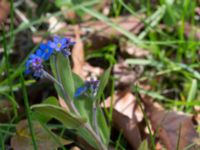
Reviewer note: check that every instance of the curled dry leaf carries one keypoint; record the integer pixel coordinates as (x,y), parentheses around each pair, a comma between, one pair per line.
(126,115)
(4,10)
(78,54)
(23,141)
(173,129)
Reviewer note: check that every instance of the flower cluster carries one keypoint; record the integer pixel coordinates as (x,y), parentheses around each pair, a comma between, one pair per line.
(34,64)
(91,86)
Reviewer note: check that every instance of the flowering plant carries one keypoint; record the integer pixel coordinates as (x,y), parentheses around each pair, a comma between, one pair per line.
(81,98)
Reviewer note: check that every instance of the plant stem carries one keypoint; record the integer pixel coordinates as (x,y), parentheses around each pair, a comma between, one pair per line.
(28,111)
(73,108)
(95,119)
(138,98)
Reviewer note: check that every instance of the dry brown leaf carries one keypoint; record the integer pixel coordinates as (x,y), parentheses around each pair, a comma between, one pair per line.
(4,10)
(132,50)
(193,31)
(91,70)
(172,128)
(6,110)
(78,54)
(23,141)
(126,75)
(125,116)
(55,25)
(98,34)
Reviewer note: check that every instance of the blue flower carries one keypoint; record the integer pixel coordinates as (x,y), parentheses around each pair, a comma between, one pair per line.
(34,66)
(62,45)
(45,51)
(58,43)
(91,86)
(80,91)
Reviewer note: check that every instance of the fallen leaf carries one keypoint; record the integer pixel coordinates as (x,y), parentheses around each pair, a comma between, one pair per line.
(78,54)
(98,34)
(4,10)
(126,115)
(6,110)
(125,75)
(23,141)
(191,30)
(171,127)
(132,50)
(55,25)
(91,70)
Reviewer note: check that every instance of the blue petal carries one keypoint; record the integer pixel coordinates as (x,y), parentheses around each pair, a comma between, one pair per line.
(52,45)
(32,56)
(63,41)
(43,46)
(80,91)
(39,53)
(27,71)
(56,39)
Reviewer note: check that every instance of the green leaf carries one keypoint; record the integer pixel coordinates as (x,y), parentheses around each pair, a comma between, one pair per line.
(51,100)
(82,132)
(192,92)
(84,105)
(103,81)
(103,126)
(45,118)
(143,145)
(61,69)
(64,70)
(54,70)
(78,82)
(68,119)
(60,3)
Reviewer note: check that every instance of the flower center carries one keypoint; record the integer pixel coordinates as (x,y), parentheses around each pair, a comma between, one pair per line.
(59,45)
(46,50)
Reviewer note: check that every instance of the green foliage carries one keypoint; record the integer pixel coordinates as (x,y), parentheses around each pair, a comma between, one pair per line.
(107,53)
(66,78)
(68,119)
(84,104)
(60,3)
(45,139)
(144,145)
(103,82)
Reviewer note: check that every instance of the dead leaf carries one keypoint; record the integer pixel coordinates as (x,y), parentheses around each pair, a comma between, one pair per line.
(126,75)
(78,54)
(98,34)
(132,50)
(172,128)
(55,25)
(6,110)
(193,31)
(126,115)
(88,70)
(4,10)
(23,141)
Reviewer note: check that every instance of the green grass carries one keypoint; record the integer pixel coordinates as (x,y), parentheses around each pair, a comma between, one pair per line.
(174,57)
